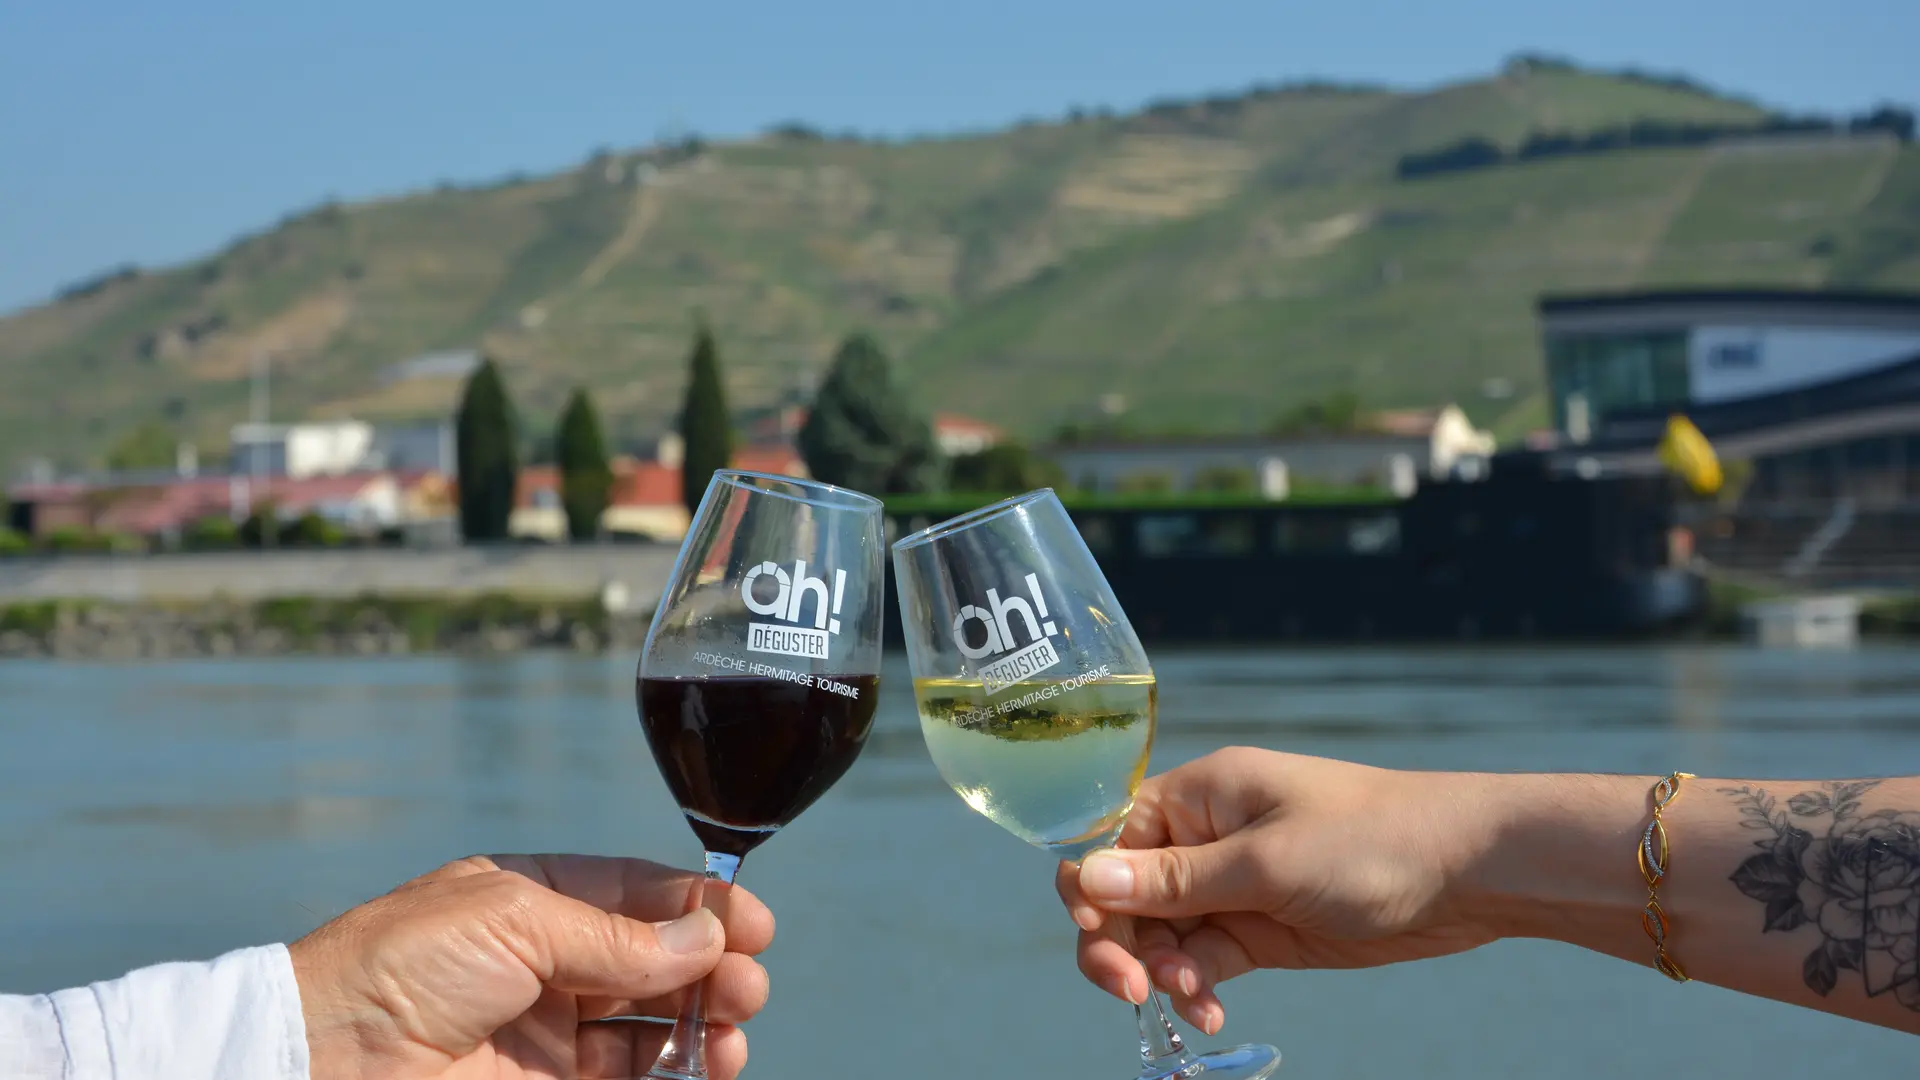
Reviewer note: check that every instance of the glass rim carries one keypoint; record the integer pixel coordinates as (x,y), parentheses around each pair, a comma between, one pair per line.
(835,496)
(962,522)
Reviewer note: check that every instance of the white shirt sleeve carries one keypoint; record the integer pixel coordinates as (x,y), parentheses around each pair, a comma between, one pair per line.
(236,1017)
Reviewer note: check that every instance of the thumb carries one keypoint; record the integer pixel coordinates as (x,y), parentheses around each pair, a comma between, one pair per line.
(1173,882)
(581,949)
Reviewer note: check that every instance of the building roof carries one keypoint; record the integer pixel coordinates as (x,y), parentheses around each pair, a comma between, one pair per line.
(1414,423)
(644,483)
(1817,298)
(1238,443)
(145,509)
(1812,413)
(955,424)
(780,460)
(637,482)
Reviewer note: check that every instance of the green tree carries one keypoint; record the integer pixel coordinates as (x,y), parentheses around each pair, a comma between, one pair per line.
(1003,468)
(486,450)
(862,433)
(312,530)
(211,533)
(706,428)
(263,528)
(1228,479)
(585,478)
(152,445)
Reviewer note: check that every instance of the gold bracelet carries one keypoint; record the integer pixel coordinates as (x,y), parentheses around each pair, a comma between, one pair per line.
(1653,866)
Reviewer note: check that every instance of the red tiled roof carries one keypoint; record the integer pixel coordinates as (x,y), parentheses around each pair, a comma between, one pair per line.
(954,423)
(532,479)
(779,460)
(1418,423)
(649,483)
(152,508)
(147,511)
(55,492)
(645,483)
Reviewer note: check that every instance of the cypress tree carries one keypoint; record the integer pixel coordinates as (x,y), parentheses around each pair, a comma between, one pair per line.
(863,433)
(487,456)
(706,429)
(581,455)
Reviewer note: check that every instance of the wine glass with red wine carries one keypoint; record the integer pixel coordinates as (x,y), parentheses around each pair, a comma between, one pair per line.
(760,674)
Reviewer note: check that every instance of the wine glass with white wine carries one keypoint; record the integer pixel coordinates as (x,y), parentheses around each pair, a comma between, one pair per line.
(1038,703)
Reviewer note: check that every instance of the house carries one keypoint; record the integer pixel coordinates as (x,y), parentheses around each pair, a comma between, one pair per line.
(363,502)
(644,502)
(46,507)
(537,513)
(959,435)
(426,446)
(1390,450)
(1451,437)
(301,450)
(953,433)
(776,459)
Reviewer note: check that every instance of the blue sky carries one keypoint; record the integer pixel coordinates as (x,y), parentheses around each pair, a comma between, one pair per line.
(152,133)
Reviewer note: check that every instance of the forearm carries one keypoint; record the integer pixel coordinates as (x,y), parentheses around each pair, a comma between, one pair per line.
(1803,891)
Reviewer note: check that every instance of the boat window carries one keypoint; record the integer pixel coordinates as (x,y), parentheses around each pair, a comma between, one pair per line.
(1379,535)
(1161,535)
(1097,531)
(1310,534)
(1229,535)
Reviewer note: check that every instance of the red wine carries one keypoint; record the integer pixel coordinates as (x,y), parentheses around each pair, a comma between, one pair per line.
(744,755)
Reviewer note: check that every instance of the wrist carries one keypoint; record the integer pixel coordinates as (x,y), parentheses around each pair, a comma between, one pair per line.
(337,1024)
(1558,860)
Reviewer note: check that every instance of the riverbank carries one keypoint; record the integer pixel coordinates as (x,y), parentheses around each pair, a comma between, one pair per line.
(369,625)
(1883,614)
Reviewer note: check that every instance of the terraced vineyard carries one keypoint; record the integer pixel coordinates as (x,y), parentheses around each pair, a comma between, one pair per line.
(1215,262)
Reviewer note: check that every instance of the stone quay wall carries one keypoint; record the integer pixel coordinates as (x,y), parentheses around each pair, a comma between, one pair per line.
(637,573)
(338,602)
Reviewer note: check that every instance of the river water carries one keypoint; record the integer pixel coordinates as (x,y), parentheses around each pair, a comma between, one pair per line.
(150,812)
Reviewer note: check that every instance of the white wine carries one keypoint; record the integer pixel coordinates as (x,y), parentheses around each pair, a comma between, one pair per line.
(1056,763)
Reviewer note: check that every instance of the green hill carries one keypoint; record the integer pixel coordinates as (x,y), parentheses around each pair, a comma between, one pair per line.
(1215,261)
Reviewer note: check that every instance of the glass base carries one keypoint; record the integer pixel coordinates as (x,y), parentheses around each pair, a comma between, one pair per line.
(1250,1062)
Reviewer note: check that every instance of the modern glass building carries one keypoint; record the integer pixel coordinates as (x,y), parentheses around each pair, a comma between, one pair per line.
(1816,393)
(1614,361)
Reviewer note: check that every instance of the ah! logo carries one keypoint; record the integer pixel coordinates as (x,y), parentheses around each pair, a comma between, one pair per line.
(1002,617)
(794,640)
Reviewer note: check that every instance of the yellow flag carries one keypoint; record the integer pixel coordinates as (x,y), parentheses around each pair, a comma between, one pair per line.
(1687,452)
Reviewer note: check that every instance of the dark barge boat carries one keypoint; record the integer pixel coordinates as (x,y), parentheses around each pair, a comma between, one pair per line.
(1528,553)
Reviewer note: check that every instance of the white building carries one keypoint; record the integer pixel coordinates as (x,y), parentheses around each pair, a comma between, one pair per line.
(427,446)
(960,435)
(301,450)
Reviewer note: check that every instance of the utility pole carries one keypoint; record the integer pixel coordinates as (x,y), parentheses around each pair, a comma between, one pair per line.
(269,529)
(256,434)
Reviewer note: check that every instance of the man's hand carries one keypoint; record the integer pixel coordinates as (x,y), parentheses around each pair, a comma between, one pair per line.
(494,967)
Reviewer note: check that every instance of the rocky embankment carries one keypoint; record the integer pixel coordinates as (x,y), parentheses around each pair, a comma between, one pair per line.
(368,626)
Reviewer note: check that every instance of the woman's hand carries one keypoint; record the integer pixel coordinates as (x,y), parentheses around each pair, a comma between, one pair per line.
(493,968)
(1251,859)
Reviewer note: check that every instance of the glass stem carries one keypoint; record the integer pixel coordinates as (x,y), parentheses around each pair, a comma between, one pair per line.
(685,1055)
(1161,1051)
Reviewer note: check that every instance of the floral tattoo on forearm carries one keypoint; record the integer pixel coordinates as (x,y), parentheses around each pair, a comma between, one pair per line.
(1858,882)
